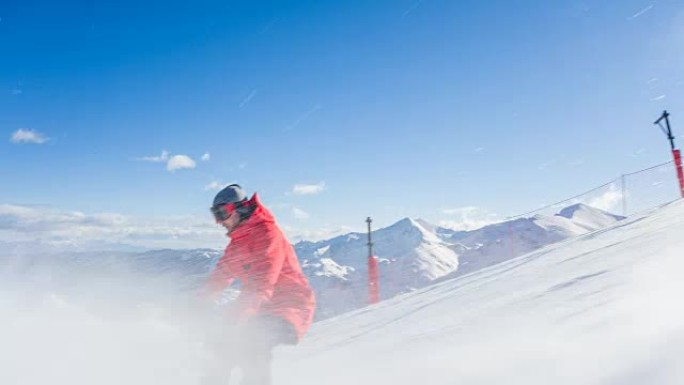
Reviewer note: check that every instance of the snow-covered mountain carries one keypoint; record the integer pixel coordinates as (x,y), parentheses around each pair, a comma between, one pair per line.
(498,242)
(412,254)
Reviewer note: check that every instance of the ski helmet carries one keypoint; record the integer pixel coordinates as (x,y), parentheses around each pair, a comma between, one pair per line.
(228,200)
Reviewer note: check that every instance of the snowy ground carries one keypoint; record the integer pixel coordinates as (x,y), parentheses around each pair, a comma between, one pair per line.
(604,308)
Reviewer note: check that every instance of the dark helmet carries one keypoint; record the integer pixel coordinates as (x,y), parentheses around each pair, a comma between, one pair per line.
(230,194)
(232,198)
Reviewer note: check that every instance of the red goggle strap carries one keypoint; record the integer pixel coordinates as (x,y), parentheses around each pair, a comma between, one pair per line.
(228,210)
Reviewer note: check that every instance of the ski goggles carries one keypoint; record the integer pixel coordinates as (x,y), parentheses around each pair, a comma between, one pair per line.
(223,212)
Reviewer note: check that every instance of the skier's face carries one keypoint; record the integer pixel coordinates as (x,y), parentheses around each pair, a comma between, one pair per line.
(231,222)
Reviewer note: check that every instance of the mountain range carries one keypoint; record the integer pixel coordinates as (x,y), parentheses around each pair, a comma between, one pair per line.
(412,253)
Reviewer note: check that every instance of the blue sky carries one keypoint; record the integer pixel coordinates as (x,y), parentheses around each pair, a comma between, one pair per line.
(384,108)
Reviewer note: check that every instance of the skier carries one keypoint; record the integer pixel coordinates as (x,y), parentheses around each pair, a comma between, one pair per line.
(276,304)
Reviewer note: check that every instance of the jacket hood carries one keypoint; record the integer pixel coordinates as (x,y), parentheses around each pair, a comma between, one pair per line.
(260,215)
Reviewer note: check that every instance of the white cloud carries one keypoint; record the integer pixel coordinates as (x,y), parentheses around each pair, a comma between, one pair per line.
(467,218)
(308,189)
(26,219)
(24,135)
(296,234)
(300,214)
(214,185)
(608,201)
(206,157)
(660,97)
(58,227)
(161,158)
(179,162)
(460,210)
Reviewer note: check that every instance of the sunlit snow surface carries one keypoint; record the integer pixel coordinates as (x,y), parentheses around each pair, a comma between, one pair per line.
(602,308)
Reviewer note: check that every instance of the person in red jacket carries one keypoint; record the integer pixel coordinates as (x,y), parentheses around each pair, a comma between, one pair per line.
(276,304)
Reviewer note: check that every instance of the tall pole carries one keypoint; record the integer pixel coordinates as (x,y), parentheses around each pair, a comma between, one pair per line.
(373,287)
(676,154)
(667,130)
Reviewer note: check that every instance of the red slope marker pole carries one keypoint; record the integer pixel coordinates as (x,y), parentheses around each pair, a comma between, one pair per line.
(680,174)
(373,273)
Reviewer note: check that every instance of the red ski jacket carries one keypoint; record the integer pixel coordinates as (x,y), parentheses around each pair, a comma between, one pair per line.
(265,263)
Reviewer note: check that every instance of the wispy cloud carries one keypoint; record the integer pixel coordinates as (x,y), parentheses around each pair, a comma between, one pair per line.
(269,26)
(659,97)
(467,218)
(249,97)
(300,214)
(206,157)
(25,223)
(34,219)
(608,201)
(24,135)
(547,164)
(161,158)
(303,117)
(308,189)
(214,185)
(179,162)
(296,234)
(641,12)
(460,210)
(17,91)
(637,153)
(412,8)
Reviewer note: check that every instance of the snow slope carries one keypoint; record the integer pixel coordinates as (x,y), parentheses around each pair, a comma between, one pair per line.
(603,308)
